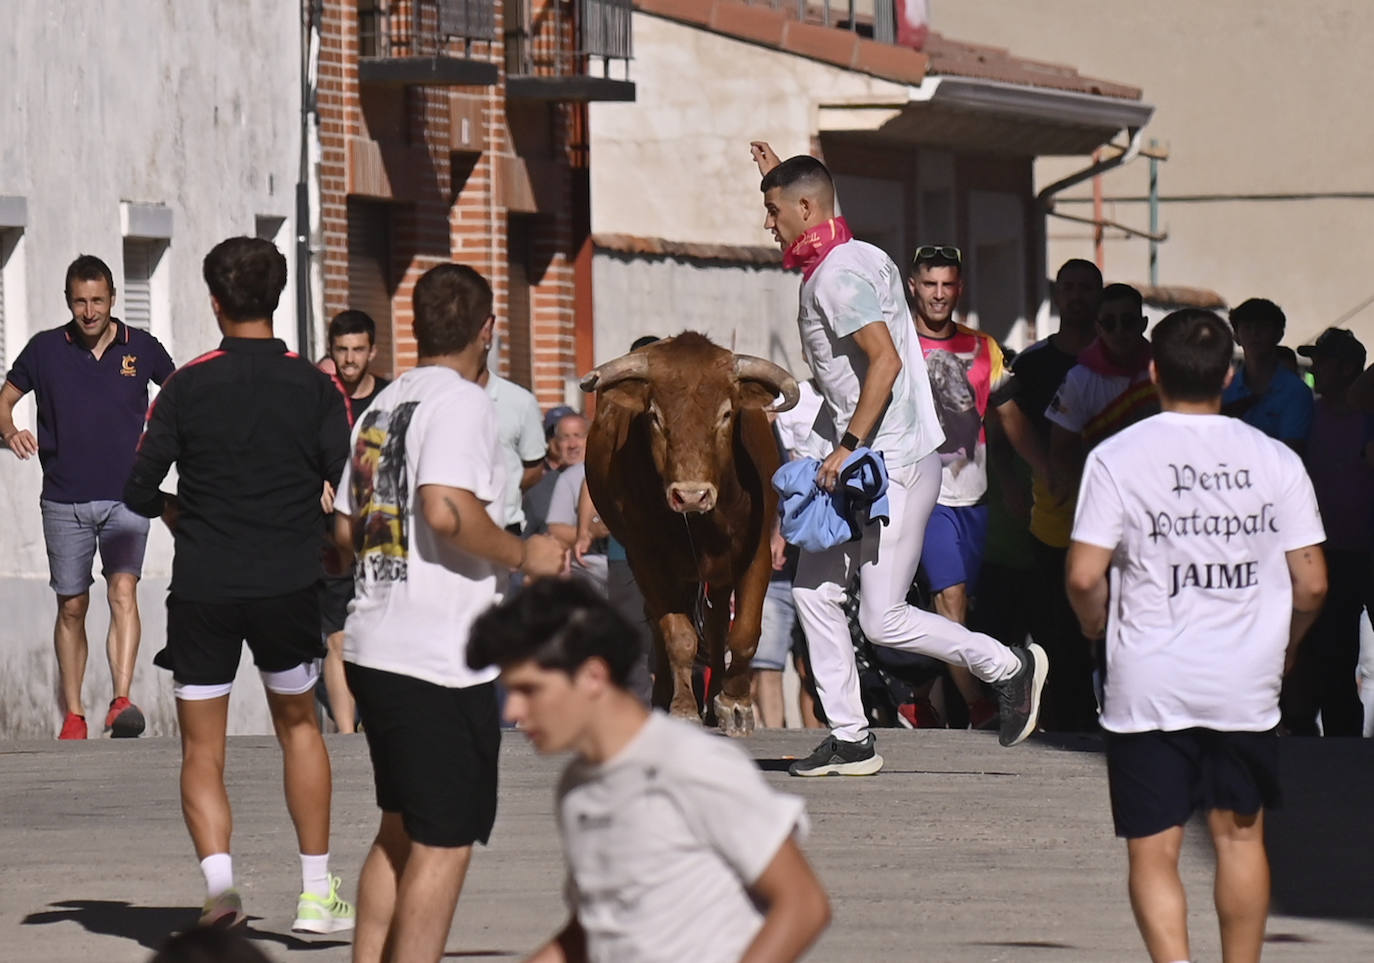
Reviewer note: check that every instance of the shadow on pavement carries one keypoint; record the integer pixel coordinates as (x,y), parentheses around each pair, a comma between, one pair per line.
(1319,856)
(151,926)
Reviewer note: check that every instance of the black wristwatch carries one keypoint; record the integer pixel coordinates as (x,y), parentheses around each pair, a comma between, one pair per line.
(850,442)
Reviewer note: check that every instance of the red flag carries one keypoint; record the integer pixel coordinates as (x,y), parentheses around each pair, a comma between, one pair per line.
(913,23)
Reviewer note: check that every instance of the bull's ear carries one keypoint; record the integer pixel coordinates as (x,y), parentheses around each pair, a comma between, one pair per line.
(631,394)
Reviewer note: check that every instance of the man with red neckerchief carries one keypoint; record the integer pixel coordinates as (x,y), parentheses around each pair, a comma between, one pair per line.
(862,349)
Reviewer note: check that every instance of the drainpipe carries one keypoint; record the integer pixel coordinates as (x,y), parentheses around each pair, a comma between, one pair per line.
(1046,197)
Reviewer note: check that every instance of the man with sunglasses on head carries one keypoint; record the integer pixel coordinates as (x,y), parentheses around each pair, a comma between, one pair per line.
(970,382)
(857,335)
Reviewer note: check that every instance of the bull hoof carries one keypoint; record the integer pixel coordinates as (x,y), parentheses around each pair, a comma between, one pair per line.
(735,719)
(685,709)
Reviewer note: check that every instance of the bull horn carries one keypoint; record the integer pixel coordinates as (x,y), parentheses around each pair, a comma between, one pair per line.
(773,376)
(632,365)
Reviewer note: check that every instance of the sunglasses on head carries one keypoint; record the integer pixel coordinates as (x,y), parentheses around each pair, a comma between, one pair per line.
(937,252)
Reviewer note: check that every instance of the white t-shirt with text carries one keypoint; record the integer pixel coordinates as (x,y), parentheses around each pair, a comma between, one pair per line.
(663,841)
(417,595)
(855,285)
(1200,510)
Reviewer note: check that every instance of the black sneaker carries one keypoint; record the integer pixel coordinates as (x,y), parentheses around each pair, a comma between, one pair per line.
(1018,698)
(836,757)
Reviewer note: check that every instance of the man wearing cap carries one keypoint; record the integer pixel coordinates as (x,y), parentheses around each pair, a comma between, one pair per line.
(91,379)
(1323,679)
(1264,394)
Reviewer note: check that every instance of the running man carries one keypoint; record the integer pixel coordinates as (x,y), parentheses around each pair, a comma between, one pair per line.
(862,347)
(677,848)
(256,432)
(1196,551)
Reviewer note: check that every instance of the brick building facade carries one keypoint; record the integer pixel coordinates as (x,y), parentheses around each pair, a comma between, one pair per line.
(456,130)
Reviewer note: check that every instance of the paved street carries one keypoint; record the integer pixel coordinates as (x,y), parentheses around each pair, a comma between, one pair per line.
(959,851)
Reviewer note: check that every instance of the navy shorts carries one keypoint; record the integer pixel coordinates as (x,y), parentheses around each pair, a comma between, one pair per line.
(434,753)
(953,549)
(74,531)
(1159,779)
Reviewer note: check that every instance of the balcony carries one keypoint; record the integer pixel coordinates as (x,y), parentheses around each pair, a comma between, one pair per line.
(875,19)
(403,43)
(568,50)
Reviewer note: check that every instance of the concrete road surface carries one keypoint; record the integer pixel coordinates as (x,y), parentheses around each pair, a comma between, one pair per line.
(958,851)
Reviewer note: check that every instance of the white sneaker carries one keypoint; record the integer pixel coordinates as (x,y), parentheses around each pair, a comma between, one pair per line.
(316,914)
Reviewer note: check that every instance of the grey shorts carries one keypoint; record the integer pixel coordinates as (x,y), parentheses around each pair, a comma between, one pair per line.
(73,532)
(776,637)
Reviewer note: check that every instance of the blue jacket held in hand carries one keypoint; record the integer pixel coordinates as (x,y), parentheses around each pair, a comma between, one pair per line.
(814,519)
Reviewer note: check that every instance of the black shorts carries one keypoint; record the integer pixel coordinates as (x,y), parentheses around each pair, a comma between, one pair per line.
(1159,779)
(205,639)
(434,751)
(335,594)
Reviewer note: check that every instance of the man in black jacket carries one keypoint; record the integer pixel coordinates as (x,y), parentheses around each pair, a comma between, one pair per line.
(256,432)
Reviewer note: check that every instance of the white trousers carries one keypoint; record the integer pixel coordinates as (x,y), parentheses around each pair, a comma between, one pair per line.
(887,557)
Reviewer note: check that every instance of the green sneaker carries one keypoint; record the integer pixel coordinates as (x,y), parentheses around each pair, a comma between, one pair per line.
(315,914)
(223,911)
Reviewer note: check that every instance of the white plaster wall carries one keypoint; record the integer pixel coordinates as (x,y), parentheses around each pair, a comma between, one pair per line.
(675,163)
(1252,97)
(191,105)
(750,310)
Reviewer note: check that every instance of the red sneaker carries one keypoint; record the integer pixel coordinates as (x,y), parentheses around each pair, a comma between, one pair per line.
(124,720)
(73,727)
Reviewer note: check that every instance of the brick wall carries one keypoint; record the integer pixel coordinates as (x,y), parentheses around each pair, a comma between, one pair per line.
(446,204)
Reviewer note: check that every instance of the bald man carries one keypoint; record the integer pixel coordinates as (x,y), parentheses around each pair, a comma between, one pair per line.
(858,337)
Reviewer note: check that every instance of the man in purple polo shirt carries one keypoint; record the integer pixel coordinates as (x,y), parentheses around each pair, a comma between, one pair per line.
(90,377)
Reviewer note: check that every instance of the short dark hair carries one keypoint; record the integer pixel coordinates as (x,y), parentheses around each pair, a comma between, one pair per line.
(1259,309)
(1079,264)
(643,341)
(1124,292)
(796,170)
(87,267)
(246,276)
(558,624)
(352,321)
(1192,351)
(451,302)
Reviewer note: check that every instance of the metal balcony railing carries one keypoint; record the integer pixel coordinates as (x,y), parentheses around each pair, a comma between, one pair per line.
(567,38)
(422,28)
(876,19)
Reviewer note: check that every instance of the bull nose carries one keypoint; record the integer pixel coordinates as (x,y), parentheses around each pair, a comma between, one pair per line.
(688,497)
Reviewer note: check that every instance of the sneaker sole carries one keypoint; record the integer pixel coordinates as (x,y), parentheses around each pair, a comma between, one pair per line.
(1042,671)
(864,767)
(129,724)
(322,927)
(224,921)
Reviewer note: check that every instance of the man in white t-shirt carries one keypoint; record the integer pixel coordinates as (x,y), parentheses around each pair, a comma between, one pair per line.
(520,433)
(1196,551)
(421,506)
(862,347)
(677,848)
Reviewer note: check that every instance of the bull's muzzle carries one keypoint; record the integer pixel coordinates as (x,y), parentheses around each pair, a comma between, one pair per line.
(692,496)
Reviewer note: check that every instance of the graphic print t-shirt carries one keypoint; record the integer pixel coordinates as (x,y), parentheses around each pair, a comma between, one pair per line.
(855,286)
(416,594)
(967,375)
(1200,510)
(662,842)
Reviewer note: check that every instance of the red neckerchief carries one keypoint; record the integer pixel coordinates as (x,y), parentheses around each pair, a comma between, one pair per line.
(1095,357)
(810,249)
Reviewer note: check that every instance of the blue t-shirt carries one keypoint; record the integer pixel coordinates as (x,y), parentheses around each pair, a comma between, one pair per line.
(90,410)
(1283,411)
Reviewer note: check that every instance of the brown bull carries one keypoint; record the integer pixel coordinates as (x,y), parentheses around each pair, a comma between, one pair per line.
(679,460)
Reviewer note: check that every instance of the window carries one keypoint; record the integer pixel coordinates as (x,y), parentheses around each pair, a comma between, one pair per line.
(13,217)
(136,297)
(370,273)
(518,273)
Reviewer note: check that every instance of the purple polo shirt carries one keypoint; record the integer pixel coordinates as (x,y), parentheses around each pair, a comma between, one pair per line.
(90,411)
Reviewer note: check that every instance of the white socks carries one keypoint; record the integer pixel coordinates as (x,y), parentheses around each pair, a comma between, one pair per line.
(315,875)
(219,873)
